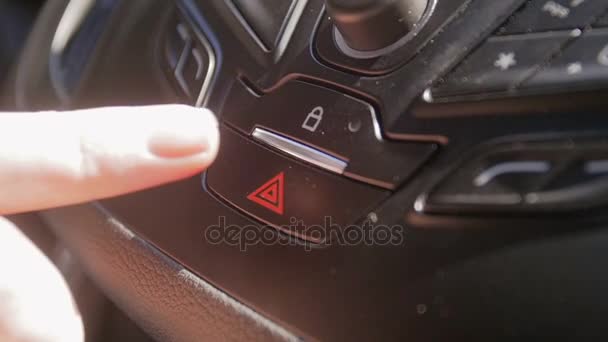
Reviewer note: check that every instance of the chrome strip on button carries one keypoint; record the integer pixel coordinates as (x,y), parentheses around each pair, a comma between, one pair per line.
(595,167)
(511,167)
(300,151)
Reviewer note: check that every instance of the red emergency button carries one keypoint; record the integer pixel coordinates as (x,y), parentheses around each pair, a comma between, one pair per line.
(271,194)
(285,193)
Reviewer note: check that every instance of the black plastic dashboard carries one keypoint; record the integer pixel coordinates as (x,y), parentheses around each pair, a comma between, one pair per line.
(478,141)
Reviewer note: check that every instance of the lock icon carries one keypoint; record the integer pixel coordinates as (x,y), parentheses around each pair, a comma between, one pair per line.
(313,120)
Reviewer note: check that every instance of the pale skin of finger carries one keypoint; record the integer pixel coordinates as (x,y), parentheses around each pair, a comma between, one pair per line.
(35,301)
(52,159)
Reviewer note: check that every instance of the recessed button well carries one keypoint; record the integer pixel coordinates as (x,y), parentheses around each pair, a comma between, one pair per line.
(535,177)
(284,193)
(330,122)
(501,64)
(582,63)
(493,182)
(548,15)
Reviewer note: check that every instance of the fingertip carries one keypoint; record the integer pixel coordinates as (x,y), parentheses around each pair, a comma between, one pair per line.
(186,132)
(98,153)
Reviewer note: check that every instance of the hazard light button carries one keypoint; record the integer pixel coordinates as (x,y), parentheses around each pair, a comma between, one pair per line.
(285,193)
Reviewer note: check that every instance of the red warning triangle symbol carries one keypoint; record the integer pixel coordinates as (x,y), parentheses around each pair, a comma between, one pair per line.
(270,195)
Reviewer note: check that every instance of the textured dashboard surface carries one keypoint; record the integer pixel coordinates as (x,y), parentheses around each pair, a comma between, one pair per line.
(167,300)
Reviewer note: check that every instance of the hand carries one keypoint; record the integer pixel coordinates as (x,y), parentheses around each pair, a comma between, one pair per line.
(54,159)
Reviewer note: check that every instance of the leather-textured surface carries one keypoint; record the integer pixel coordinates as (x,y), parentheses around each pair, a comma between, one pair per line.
(168,301)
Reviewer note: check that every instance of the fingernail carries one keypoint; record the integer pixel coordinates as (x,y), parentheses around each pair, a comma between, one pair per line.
(187,132)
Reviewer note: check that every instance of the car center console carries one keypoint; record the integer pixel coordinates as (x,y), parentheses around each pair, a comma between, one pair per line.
(409,169)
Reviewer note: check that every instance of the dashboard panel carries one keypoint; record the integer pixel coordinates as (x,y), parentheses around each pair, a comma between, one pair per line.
(447,184)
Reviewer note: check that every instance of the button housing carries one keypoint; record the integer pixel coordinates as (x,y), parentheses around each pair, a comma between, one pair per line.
(501,63)
(584,63)
(311,197)
(334,123)
(531,178)
(495,181)
(549,15)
